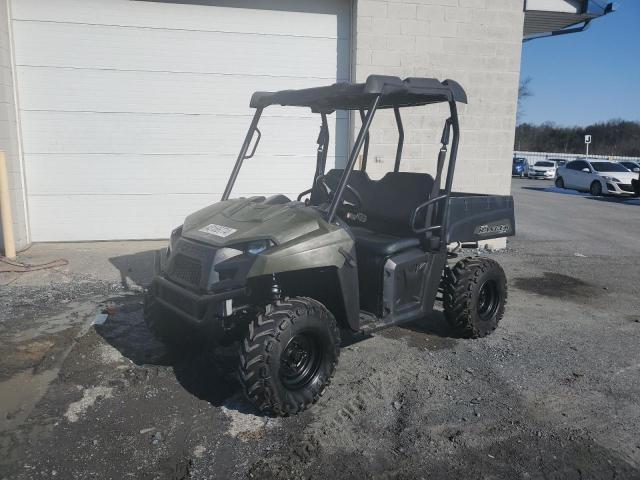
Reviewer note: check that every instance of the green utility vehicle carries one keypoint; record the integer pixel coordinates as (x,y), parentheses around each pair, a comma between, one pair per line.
(284,277)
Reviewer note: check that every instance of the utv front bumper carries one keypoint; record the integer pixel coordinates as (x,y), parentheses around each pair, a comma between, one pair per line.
(189,306)
(183,293)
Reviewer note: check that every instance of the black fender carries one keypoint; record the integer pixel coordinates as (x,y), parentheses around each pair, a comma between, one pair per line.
(336,288)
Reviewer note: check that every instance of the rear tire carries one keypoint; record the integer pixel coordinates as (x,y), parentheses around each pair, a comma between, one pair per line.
(475,295)
(289,355)
(595,189)
(559,182)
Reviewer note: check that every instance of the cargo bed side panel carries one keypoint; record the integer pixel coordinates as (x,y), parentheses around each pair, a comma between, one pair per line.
(473,217)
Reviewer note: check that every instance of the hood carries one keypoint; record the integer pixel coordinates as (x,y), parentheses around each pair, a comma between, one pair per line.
(246,219)
(625,177)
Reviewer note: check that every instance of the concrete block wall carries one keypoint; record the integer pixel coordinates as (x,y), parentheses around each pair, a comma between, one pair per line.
(475,42)
(9,137)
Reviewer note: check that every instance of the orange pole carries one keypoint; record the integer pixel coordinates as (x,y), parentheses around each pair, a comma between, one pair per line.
(5,211)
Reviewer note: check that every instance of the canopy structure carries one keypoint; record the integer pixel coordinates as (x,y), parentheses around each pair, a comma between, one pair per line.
(393,91)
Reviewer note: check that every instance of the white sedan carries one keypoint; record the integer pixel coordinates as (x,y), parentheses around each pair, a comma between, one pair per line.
(544,169)
(596,177)
(631,165)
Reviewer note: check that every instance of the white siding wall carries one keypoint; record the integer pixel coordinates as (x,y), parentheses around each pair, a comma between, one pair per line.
(133,112)
(9,137)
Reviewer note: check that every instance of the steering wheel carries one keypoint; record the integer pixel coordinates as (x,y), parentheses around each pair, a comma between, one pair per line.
(322,179)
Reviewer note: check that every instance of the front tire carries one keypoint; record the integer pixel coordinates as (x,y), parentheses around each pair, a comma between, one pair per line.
(289,355)
(475,295)
(595,189)
(559,182)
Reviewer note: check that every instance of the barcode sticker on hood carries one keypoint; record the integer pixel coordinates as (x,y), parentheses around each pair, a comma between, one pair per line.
(218,230)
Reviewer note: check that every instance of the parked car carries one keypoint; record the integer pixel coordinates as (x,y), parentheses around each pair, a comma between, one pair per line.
(632,166)
(520,167)
(559,161)
(545,169)
(596,177)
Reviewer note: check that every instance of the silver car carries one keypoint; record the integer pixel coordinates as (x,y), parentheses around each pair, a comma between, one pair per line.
(545,169)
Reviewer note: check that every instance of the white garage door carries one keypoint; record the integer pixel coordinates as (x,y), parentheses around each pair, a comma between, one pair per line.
(132,112)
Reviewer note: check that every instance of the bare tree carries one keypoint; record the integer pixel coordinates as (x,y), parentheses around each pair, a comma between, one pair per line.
(615,137)
(524,92)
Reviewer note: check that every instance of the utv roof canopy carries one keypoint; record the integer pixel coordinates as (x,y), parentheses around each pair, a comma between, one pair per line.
(393,92)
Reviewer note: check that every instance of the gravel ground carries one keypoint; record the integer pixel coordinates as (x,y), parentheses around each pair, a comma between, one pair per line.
(553,393)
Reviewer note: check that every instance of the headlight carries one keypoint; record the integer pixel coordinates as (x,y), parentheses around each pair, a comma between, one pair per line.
(221,255)
(252,248)
(257,247)
(611,179)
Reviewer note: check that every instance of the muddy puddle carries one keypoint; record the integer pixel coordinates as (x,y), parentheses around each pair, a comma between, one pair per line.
(33,356)
(20,394)
(556,285)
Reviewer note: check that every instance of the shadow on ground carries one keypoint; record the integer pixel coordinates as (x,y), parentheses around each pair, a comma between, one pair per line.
(588,196)
(206,374)
(621,200)
(431,333)
(136,268)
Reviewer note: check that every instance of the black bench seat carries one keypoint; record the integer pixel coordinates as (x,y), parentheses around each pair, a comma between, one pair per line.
(388,203)
(380,244)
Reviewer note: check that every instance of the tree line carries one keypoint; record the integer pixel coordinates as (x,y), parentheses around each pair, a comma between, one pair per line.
(615,137)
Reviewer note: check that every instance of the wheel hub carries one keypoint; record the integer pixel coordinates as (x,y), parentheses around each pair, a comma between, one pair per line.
(488,300)
(299,361)
(296,356)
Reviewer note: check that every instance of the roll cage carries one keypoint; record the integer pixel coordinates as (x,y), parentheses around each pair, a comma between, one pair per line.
(378,92)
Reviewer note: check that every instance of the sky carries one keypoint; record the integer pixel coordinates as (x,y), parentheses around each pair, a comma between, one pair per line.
(588,77)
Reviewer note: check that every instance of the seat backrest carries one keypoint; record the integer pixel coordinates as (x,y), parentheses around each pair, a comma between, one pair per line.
(389,202)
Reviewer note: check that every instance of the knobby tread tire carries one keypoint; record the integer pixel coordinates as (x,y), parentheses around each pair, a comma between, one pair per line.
(459,286)
(260,350)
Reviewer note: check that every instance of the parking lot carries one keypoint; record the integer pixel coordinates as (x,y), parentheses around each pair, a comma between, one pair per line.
(553,393)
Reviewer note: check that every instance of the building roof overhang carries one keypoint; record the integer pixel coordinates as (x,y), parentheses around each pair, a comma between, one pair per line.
(543,18)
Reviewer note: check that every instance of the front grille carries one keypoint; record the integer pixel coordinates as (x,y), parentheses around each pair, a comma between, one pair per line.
(626,187)
(187,269)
